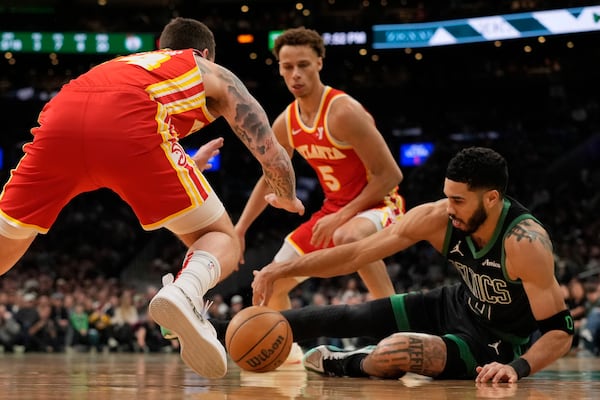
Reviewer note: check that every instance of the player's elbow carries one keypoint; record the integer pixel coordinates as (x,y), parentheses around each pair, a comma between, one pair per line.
(399,176)
(567,342)
(389,178)
(393,175)
(563,342)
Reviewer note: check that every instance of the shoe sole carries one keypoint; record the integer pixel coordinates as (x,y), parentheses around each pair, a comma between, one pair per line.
(205,357)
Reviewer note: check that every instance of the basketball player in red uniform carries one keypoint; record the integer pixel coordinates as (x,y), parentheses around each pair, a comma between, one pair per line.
(354,165)
(118,126)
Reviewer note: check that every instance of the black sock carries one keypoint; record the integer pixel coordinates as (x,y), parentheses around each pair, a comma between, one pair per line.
(353,368)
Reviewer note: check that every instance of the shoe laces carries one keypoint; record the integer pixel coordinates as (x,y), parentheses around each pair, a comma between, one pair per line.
(202,313)
(205,307)
(337,355)
(168,279)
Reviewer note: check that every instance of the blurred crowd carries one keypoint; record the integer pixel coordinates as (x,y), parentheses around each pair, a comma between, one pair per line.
(42,313)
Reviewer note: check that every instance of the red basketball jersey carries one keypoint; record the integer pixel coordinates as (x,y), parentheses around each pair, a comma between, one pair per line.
(341,172)
(170,77)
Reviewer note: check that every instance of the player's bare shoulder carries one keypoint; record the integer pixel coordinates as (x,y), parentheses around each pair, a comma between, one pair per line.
(221,84)
(528,234)
(349,122)
(529,253)
(345,106)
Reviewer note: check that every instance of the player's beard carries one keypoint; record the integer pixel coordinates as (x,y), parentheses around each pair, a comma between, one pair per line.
(477,219)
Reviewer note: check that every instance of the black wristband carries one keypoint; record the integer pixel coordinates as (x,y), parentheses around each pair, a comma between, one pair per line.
(521,367)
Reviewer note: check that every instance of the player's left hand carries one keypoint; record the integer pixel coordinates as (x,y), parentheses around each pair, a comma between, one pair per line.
(496,372)
(206,152)
(322,233)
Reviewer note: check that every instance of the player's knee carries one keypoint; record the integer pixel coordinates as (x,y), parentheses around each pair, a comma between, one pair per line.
(342,236)
(11,250)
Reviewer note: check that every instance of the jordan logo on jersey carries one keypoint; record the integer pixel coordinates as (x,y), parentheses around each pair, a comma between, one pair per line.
(456,249)
(495,346)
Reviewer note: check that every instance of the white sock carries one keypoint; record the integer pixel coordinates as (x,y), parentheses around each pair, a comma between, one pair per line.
(200,272)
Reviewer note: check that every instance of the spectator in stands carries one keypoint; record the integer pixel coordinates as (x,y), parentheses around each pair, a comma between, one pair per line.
(125,321)
(43,335)
(9,329)
(80,338)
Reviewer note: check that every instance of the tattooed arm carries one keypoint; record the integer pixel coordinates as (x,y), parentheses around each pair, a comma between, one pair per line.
(228,97)
(529,257)
(261,195)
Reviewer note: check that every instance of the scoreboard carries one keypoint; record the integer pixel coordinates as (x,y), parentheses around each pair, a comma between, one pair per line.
(74,42)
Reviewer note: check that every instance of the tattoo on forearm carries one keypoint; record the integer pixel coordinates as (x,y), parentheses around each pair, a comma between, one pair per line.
(252,126)
(282,181)
(526,230)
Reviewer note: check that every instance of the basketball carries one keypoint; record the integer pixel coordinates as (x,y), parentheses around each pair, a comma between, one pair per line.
(258,339)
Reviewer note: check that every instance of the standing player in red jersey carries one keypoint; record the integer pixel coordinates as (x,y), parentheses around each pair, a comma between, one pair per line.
(354,165)
(118,127)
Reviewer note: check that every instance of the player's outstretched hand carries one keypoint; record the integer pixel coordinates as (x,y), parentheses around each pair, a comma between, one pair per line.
(207,151)
(262,285)
(496,372)
(293,206)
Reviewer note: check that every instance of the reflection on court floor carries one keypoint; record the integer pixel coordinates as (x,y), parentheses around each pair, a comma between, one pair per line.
(165,377)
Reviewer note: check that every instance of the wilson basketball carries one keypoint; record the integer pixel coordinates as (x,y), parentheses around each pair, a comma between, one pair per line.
(258,339)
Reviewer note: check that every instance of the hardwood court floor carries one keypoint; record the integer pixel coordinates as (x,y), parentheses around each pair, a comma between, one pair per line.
(164,376)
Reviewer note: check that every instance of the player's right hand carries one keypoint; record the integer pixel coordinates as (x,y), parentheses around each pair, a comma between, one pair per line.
(496,372)
(262,285)
(293,206)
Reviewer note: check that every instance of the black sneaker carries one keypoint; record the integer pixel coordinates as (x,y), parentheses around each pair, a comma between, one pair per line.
(333,361)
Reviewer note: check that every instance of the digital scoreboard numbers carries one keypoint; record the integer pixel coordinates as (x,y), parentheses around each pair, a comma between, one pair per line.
(73,42)
(337,39)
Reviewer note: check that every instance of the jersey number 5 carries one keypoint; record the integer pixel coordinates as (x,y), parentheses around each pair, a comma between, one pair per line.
(327,176)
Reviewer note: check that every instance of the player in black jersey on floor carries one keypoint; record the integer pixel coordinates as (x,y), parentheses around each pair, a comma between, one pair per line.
(478,328)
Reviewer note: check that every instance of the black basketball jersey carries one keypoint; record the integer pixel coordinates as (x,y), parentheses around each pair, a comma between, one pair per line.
(492,298)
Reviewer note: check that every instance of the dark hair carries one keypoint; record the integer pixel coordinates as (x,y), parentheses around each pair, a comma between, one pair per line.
(300,37)
(479,168)
(186,33)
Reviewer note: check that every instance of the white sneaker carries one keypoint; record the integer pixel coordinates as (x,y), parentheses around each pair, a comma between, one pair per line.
(296,354)
(185,317)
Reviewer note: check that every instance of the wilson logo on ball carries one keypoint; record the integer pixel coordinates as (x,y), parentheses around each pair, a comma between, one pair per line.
(265,354)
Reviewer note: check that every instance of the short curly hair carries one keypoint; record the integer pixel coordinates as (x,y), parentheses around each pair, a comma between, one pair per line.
(479,168)
(300,37)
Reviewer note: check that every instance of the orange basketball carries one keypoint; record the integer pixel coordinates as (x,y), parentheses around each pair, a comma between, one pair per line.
(258,339)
